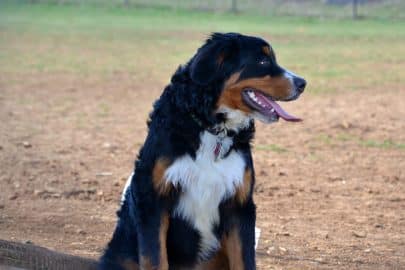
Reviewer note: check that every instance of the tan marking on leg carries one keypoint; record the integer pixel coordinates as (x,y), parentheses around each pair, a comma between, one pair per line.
(218,262)
(145,263)
(233,250)
(164,226)
(243,191)
(159,182)
(129,264)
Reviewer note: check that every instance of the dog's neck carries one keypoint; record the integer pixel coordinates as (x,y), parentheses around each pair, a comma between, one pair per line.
(230,122)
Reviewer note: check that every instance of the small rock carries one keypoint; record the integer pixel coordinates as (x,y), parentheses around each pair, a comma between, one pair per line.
(1,206)
(270,250)
(28,242)
(396,199)
(359,234)
(345,124)
(116,183)
(100,193)
(26,144)
(47,193)
(13,197)
(284,234)
(282,249)
(104,174)
(368,250)
(335,178)
(282,173)
(319,260)
(81,232)
(106,145)
(89,182)
(380,226)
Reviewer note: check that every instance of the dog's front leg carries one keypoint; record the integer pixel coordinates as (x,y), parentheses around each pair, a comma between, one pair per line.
(240,240)
(152,218)
(152,242)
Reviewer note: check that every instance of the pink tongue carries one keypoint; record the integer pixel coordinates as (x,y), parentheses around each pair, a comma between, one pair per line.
(283,114)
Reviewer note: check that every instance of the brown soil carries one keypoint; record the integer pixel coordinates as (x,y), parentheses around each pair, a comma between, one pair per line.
(330,191)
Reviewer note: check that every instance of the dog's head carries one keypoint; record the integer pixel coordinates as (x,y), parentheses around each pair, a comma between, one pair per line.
(250,79)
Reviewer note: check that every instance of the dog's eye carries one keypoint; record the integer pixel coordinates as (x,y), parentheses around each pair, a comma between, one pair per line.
(264,62)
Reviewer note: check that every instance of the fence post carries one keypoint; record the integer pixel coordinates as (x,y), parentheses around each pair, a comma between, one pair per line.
(234,8)
(355,11)
(126,3)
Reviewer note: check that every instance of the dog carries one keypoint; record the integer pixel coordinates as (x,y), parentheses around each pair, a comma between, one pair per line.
(188,203)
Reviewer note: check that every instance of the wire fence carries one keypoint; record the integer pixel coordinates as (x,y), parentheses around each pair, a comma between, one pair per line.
(384,9)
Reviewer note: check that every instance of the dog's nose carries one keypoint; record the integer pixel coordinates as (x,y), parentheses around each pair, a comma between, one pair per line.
(300,84)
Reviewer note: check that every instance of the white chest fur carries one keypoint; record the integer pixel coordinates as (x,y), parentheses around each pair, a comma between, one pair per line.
(205,182)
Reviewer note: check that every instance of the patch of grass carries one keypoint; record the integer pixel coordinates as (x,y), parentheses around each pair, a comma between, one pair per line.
(344,137)
(325,138)
(104,110)
(333,55)
(270,147)
(386,144)
(347,137)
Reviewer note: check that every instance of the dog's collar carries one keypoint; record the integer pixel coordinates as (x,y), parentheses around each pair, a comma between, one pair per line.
(220,132)
(217,130)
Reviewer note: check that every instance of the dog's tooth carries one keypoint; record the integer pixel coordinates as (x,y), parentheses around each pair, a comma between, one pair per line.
(272,110)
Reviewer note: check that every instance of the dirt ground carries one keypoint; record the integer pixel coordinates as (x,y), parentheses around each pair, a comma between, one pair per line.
(330,191)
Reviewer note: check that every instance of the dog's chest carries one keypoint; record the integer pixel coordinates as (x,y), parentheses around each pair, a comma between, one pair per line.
(205,182)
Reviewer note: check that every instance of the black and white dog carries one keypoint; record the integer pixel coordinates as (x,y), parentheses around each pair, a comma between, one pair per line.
(188,204)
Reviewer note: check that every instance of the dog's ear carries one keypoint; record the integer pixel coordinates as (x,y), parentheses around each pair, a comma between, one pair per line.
(210,61)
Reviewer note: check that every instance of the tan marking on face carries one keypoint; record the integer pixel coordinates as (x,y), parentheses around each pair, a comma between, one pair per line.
(277,87)
(266,50)
(242,192)
(159,182)
(233,250)
(164,226)
(129,264)
(220,59)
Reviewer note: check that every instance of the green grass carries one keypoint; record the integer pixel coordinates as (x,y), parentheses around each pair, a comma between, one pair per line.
(386,144)
(270,147)
(334,55)
(388,9)
(338,139)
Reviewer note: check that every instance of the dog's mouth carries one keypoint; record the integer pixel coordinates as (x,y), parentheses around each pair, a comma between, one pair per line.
(266,106)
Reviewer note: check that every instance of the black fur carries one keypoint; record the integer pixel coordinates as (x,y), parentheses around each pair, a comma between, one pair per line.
(193,91)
